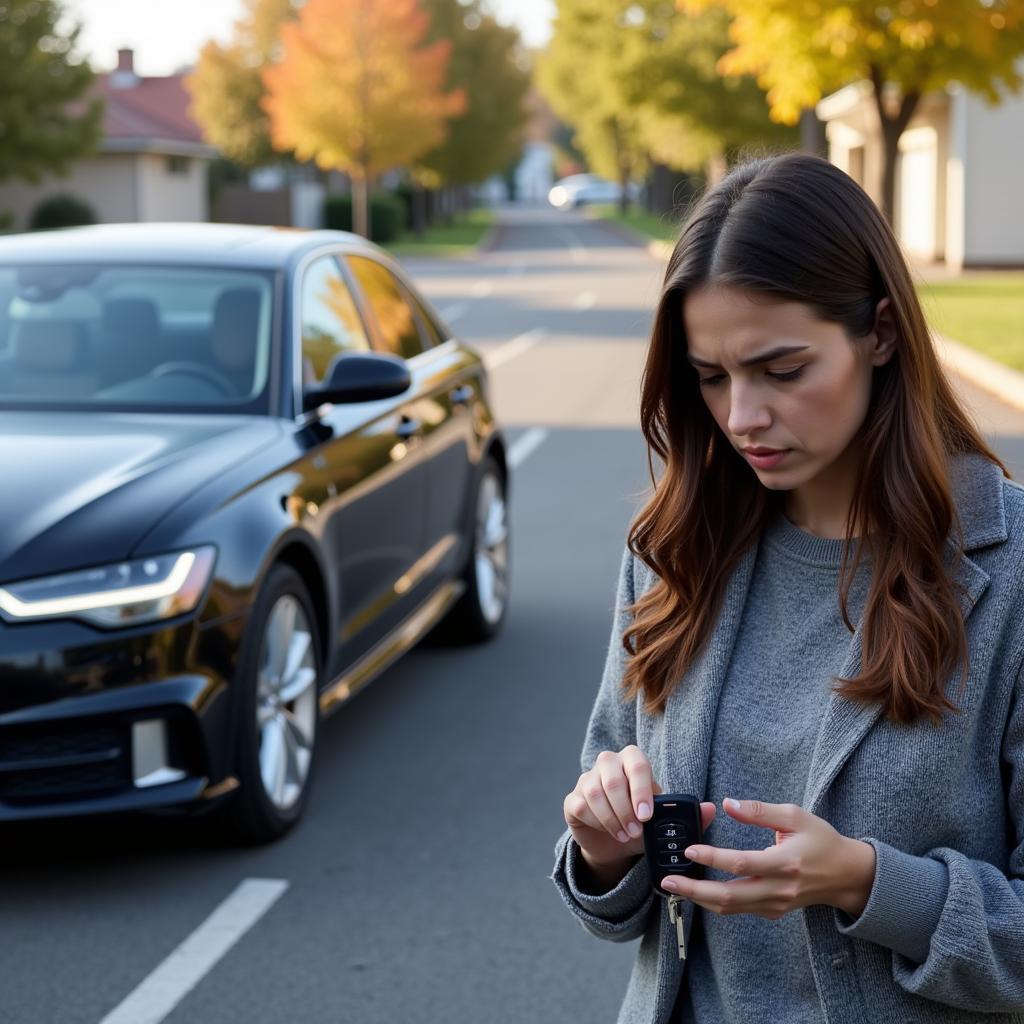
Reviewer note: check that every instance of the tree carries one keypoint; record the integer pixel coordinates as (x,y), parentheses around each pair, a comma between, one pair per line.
(580,75)
(46,116)
(692,116)
(227,87)
(639,76)
(488,67)
(801,51)
(357,90)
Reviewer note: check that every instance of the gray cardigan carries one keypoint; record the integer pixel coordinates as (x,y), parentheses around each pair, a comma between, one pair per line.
(942,936)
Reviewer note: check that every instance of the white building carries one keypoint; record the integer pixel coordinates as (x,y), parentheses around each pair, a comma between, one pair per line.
(958,192)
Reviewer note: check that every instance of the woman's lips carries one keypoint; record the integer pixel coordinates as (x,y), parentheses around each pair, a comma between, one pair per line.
(767,461)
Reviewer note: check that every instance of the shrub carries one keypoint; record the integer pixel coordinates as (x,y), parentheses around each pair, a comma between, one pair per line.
(61,212)
(386,216)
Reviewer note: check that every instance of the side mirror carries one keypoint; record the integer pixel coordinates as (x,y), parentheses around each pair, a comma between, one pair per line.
(360,377)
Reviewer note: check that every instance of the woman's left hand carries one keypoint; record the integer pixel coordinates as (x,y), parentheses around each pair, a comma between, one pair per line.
(810,863)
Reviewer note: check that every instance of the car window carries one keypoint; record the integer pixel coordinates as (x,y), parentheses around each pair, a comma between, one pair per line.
(98,335)
(330,321)
(399,333)
(432,334)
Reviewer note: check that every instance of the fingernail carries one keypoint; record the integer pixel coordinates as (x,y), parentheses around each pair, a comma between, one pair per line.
(733,805)
(670,885)
(643,811)
(690,852)
(622,837)
(634,829)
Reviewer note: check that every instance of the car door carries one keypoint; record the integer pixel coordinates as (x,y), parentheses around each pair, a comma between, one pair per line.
(446,385)
(370,460)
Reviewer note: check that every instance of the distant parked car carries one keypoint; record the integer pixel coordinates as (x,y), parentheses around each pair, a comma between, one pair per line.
(587,189)
(244,469)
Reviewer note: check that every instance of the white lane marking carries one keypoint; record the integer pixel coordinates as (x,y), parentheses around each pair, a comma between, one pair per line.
(584,300)
(452,313)
(483,288)
(159,993)
(576,251)
(515,347)
(526,444)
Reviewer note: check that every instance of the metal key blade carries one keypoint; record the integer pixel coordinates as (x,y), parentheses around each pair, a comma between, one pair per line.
(675,915)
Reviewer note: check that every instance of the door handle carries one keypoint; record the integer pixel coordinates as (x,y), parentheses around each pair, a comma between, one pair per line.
(461,396)
(407,427)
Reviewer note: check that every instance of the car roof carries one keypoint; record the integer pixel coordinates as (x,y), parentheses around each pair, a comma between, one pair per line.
(194,244)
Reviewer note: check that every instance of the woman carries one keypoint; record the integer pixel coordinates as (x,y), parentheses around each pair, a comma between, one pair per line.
(820,613)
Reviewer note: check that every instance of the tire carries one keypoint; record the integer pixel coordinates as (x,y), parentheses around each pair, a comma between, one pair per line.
(277,712)
(480,612)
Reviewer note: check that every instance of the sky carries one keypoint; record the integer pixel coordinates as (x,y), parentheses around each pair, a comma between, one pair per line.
(166,36)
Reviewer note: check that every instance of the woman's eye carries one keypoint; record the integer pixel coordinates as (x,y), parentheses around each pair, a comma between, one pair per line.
(710,382)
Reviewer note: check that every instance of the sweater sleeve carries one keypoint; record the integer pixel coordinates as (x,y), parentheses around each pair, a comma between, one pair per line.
(955,925)
(620,914)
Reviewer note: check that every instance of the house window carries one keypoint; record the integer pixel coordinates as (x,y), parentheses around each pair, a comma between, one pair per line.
(178,164)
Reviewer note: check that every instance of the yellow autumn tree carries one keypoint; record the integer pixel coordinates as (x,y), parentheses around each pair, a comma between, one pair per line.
(356,89)
(801,50)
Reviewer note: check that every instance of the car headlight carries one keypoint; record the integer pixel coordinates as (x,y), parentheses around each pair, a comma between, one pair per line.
(124,594)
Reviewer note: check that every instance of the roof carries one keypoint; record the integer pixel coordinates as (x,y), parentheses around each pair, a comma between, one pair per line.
(143,114)
(194,244)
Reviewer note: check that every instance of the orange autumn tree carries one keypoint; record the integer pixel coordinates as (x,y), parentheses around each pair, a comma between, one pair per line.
(356,90)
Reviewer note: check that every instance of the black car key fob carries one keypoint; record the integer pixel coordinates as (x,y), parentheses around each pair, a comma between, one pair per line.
(674,825)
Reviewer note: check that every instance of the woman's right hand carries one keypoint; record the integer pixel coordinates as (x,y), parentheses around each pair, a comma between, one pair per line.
(606,810)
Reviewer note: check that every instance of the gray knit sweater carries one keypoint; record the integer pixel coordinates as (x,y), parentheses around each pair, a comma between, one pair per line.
(941,938)
(791,642)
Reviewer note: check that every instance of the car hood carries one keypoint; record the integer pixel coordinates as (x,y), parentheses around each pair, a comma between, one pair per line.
(83,489)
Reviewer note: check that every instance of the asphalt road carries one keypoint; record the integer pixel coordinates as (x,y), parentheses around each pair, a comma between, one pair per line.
(417,887)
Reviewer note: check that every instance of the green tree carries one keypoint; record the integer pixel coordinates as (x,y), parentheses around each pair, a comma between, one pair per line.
(693,117)
(580,75)
(227,87)
(487,65)
(639,78)
(46,116)
(801,51)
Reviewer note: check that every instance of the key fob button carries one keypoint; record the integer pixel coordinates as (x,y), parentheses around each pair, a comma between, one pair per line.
(671,845)
(672,860)
(671,830)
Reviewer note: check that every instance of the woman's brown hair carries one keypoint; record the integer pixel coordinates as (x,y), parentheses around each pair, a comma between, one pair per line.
(797,228)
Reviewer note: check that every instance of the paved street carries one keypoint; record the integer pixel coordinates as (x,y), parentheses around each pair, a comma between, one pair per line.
(416,888)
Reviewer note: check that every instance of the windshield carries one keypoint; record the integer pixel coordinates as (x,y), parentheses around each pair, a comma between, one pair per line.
(144,338)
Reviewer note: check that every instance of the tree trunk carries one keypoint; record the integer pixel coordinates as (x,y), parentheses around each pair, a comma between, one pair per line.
(623,188)
(812,133)
(419,212)
(892,127)
(360,205)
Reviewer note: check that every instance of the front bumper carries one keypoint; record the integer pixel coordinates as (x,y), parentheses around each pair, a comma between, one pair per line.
(91,742)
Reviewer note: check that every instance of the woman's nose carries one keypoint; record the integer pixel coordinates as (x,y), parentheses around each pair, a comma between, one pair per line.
(748,414)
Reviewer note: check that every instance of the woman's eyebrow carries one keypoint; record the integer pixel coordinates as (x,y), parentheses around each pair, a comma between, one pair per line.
(763,357)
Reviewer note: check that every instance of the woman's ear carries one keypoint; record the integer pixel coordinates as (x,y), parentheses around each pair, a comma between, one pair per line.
(885,333)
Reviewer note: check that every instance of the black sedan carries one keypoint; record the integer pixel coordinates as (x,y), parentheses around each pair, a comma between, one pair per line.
(243,470)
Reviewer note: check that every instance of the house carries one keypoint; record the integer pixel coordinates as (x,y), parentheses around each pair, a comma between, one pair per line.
(151,163)
(957,176)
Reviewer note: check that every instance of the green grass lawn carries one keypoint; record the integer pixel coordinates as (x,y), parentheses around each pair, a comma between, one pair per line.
(982,311)
(455,239)
(663,227)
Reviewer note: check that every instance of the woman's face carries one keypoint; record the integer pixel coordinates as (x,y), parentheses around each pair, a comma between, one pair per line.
(774,376)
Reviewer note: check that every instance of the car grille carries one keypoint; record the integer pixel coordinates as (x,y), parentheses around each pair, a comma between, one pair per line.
(66,764)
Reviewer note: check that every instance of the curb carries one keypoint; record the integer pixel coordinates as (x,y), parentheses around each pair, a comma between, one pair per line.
(490,238)
(1006,383)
